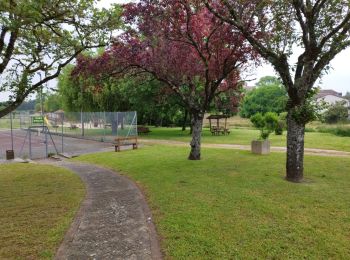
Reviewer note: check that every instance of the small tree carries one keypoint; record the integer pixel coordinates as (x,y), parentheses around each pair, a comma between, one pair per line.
(336,113)
(265,123)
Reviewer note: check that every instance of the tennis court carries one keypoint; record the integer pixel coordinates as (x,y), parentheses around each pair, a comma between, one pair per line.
(38,140)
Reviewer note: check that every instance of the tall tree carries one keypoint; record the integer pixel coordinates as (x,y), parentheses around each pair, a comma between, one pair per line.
(142,94)
(320,28)
(185,47)
(268,96)
(40,37)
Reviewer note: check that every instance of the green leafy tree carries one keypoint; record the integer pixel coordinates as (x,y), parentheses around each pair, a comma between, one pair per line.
(321,30)
(52,102)
(142,94)
(336,113)
(268,96)
(74,94)
(40,37)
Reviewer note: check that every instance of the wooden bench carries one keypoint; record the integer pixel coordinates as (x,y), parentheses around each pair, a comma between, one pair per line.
(124,141)
(143,130)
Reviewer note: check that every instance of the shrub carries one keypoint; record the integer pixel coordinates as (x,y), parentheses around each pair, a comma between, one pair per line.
(336,113)
(279,128)
(309,129)
(338,130)
(265,123)
(281,124)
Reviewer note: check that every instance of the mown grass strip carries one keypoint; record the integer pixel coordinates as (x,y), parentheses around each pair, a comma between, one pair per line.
(233,204)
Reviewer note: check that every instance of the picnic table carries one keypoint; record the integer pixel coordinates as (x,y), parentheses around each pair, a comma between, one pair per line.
(219,130)
(143,130)
(72,127)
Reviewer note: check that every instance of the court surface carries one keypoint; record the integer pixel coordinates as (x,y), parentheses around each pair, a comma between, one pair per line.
(21,146)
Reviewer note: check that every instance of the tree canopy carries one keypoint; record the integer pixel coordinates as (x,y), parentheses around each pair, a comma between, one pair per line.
(268,96)
(143,94)
(193,53)
(39,37)
(320,28)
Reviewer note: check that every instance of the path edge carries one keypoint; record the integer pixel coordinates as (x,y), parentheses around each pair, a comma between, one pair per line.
(156,251)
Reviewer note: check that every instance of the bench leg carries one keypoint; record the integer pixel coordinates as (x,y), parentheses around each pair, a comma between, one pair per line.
(134,146)
(117,148)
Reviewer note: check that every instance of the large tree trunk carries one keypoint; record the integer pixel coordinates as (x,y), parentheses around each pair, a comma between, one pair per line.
(295,150)
(197,123)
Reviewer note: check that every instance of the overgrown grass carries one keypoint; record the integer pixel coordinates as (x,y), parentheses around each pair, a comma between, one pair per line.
(336,130)
(37,205)
(245,136)
(5,123)
(236,205)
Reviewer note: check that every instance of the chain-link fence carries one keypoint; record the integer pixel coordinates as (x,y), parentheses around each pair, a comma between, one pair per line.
(35,136)
(99,126)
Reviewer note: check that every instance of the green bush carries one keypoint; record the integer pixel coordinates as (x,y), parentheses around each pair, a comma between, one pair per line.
(309,129)
(281,124)
(265,123)
(279,128)
(336,113)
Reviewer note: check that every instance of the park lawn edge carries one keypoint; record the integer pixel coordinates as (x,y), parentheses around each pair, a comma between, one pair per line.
(47,199)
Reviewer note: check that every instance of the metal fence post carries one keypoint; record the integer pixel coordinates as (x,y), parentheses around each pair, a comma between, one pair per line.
(117,122)
(30,143)
(11,131)
(62,122)
(82,122)
(46,146)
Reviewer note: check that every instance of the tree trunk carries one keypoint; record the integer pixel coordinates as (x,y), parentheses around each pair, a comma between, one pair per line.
(114,123)
(295,150)
(121,120)
(197,123)
(184,120)
(191,126)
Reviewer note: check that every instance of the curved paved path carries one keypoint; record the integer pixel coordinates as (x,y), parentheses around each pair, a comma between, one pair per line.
(113,222)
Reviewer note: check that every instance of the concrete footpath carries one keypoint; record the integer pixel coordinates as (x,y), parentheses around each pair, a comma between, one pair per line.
(114,221)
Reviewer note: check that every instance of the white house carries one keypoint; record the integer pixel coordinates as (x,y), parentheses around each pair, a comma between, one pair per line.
(331,97)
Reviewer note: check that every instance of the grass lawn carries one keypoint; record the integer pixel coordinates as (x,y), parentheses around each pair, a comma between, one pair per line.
(245,136)
(38,204)
(233,204)
(5,123)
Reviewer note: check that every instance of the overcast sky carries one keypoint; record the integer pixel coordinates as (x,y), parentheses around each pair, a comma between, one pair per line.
(338,78)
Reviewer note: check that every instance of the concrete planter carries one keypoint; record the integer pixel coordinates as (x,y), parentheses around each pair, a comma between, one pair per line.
(261,146)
